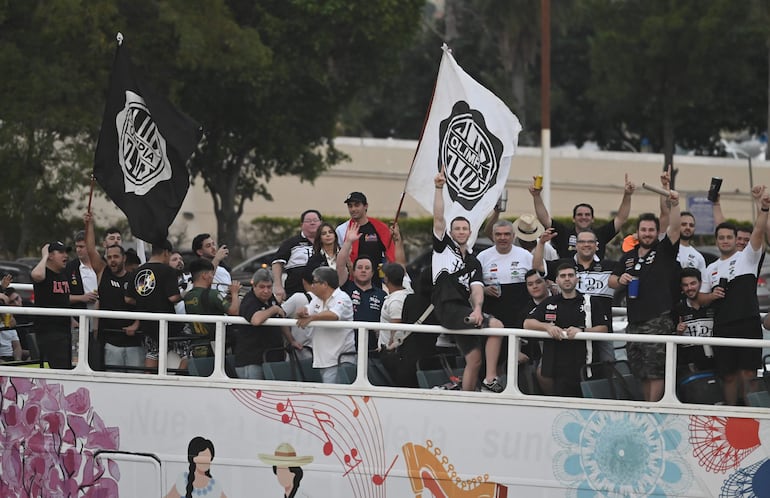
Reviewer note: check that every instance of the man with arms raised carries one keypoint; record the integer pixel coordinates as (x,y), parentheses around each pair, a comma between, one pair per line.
(458,293)
(565,241)
(653,264)
(731,287)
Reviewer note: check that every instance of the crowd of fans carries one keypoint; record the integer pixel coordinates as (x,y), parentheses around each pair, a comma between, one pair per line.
(540,274)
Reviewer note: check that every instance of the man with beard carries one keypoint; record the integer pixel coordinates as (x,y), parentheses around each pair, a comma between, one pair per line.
(693,320)
(652,272)
(122,347)
(204,246)
(688,256)
(732,288)
(564,316)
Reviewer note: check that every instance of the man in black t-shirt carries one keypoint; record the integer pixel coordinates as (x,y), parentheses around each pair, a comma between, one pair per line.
(367,298)
(153,288)
(563,316)
(253,340)
(653,265)
(292,256)
(693,320)
(375,238)
(458,294)
(565,241)
(122,347)
(52,290)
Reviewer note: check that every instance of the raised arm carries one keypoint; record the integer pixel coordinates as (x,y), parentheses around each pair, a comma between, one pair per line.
(490,223)
(625,204)
(439,223)
(38,272)
(398,242)
(675,224)
(343,255)
(665,211)
(97,263)
(538,256)
(716,209)
(540,210)
(762,198)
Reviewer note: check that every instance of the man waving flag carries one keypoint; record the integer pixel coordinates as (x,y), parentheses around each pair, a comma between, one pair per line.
(475,135)
(143,148)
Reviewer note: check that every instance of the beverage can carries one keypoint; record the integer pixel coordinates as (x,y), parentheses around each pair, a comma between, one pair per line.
(538,182)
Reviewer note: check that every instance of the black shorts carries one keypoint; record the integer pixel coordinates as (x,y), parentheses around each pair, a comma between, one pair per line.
(731,359)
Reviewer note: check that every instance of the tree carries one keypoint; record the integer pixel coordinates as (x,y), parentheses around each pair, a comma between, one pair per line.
(675,72)
(270,93)
(53,54)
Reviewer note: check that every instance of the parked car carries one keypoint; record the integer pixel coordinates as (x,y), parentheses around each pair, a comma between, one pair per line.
(21,275)
(243,272)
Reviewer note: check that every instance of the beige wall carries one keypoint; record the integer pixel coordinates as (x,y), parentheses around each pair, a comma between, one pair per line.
(378,167)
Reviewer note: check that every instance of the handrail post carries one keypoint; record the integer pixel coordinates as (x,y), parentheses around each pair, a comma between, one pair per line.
(84,335)
(512,386)
(162,347)
(219,352)
(362,379)
(669,387)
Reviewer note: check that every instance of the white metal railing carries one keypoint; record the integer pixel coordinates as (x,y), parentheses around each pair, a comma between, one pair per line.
(82,367)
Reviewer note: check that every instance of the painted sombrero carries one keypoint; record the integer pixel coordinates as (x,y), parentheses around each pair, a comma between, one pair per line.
(285,456)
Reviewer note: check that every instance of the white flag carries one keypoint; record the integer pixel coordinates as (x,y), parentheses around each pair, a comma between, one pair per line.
(475,135)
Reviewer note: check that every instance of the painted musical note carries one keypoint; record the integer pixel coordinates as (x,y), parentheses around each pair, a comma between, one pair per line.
(352,460)
(324,418)
(380,479)
(286,418)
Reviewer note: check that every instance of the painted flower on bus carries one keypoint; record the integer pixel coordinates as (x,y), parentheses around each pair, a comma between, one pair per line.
(620,454)
(48,441)
(749,482)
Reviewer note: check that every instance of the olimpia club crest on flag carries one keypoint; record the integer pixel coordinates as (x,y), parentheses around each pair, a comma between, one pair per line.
(143,148)
(474,134)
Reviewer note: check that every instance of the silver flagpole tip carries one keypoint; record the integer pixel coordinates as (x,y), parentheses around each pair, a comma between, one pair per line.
(120,38)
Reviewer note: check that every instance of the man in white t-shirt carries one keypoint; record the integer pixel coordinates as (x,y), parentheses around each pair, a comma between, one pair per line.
(204,246)
(393,305)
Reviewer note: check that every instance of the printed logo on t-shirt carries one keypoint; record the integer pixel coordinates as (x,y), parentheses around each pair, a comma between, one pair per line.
(145,282)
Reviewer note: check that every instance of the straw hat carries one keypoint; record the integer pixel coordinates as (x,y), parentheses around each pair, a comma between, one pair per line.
(285,456)
(527,228)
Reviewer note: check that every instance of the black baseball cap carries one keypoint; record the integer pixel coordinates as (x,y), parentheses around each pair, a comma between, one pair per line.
(58,246)
(356,197)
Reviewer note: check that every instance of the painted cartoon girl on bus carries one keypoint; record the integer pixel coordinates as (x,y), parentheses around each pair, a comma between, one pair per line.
(287,468)
(197,481)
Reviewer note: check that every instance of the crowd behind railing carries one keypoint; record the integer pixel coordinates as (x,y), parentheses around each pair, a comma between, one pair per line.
(438,371)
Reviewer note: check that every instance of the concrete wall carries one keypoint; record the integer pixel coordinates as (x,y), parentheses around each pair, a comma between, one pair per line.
(379,167)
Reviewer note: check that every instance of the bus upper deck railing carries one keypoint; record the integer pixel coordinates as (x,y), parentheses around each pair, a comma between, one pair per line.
(669,402)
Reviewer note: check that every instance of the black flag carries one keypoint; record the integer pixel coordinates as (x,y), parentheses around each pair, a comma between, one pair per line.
(143,148)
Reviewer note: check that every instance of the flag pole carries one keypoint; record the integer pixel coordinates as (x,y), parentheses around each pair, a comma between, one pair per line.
(419,141)
(91,192)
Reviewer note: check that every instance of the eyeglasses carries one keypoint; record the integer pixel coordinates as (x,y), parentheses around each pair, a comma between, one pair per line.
(311,220)
(586,242)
